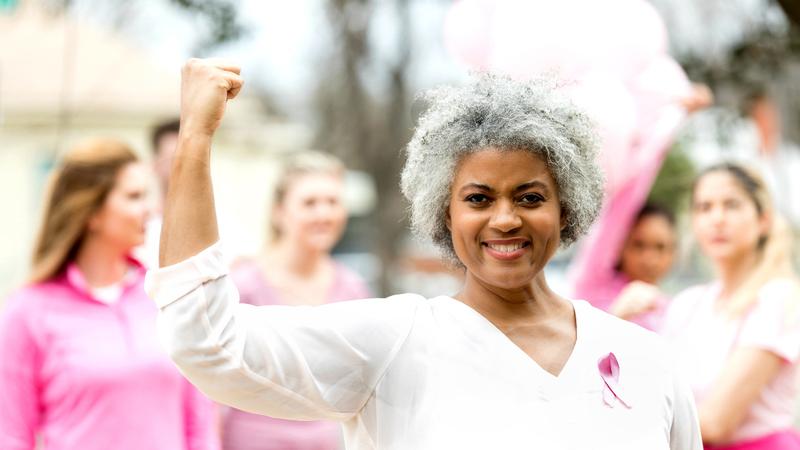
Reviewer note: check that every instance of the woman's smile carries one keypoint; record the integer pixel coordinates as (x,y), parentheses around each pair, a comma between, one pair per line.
(506,249)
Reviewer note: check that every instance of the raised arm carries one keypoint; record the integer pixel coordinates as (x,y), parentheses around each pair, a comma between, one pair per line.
(190,222)
(289,362)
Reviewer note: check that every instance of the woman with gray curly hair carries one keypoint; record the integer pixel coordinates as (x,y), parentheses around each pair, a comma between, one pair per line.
(499,174)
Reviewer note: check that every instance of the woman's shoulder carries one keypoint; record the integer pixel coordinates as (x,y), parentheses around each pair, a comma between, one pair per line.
(245,272)
(244,265)
(349,284)
(625,339)
(781,287)
(27,305)
(778,299)
(612,326)
(33,295)
(686,302)
(695,292)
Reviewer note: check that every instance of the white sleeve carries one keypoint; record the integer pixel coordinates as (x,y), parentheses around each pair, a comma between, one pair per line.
(684,434)
(283,361)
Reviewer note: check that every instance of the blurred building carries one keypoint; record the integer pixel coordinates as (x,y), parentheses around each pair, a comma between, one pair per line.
(63,80)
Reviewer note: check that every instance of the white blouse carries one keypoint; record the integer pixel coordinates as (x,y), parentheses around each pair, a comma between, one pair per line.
(407,372)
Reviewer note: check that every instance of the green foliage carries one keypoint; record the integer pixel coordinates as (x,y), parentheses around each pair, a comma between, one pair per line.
(221,17)
(674,182)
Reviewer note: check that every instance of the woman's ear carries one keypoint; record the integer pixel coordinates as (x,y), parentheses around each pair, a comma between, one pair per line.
(276,214)
(92,223)
(765,223)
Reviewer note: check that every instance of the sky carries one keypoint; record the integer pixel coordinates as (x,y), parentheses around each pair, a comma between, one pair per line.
(285,40)
(281,52)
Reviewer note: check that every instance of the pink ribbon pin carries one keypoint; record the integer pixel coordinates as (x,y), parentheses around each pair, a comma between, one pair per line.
(609,371)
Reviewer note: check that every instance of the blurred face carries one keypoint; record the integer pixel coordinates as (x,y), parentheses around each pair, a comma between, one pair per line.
(312,214)
(120,222)
(165,153)
(504,217)
(650,249)
(725,220)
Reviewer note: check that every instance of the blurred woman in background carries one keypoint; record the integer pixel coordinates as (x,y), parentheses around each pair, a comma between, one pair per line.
(81,365)
(308,219)
(737,339)
(632,291)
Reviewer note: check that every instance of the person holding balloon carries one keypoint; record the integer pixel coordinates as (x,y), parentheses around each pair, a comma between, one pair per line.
(630,289)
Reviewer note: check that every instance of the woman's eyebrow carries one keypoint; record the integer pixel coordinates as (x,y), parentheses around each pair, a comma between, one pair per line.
(521,187)
(532,184)
(478,186)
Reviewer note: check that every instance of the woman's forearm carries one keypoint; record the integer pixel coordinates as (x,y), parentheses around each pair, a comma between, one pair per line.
(190,223)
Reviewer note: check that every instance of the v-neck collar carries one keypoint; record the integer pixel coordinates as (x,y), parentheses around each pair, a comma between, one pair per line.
(567,371)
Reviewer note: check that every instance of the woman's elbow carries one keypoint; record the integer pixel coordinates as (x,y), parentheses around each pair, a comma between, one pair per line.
(716,431)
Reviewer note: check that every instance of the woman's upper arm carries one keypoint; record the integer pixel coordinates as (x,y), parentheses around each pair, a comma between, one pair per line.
(19,368)
(290,362)
(745,375)
(768,339)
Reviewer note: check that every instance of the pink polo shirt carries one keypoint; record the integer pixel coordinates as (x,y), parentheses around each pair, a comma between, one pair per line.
(87,375)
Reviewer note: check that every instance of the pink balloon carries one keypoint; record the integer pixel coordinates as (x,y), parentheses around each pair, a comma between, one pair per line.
(574,37)
(658,90)
(467,32)
(612,107)
(662,82)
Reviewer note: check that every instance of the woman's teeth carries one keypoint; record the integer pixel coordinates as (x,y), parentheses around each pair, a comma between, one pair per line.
(506,248)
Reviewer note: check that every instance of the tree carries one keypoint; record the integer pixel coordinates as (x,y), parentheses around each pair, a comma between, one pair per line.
(219,17)
(368,130)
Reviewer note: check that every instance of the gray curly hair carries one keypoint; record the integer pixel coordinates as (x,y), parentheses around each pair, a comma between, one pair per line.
(496,111)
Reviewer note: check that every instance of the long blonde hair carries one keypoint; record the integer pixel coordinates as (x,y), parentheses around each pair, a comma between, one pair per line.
(774,248)
(77,189)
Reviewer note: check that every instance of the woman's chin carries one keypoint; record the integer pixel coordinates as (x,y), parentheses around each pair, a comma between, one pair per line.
(509,279)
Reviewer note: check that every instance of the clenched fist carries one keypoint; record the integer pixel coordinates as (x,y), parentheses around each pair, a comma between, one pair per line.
(206,86)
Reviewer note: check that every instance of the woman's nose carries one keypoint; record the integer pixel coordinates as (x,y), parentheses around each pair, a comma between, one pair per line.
(505,217)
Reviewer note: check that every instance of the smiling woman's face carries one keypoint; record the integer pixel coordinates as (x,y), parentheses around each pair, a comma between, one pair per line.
(504,216)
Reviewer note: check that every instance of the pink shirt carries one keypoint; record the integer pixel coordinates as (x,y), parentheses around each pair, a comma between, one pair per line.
(703,340)
(86,375)
(246,431)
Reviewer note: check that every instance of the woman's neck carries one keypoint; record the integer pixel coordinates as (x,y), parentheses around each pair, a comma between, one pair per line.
(505,306)
(733,272)
(100,263)
(299,260)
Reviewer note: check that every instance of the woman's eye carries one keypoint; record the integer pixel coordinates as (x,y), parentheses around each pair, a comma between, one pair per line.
(701,207)
(733,204)
(531,198)
(477,199)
